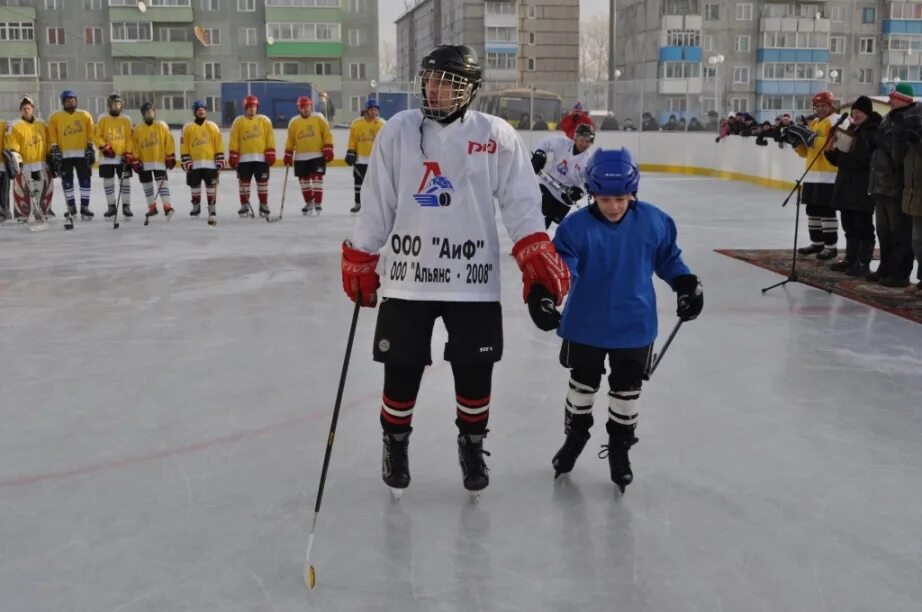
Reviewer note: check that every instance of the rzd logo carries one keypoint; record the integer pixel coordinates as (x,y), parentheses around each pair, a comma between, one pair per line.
(434,188)
(488,147)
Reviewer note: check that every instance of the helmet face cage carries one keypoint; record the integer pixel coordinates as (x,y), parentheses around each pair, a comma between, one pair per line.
(584,131)
(114,100)
(455,93)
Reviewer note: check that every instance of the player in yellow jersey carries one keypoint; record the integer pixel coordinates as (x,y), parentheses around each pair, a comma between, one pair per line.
(201,151)
(309,147)
(28,141)
(113,139)
(362,135)
(252,153)
(154,152)
(70,134)
(8,169)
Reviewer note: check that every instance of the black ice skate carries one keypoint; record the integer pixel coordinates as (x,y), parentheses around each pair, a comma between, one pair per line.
(196,210)
(245,211)
(126,211)
(566,457)
(86,214)
(473,468)
(355,208)
(810,250)
(264,210)
(620,439)
(110,211)
(395,463)
(317,210)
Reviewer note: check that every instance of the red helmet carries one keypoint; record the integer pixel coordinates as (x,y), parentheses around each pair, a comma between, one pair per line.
(305,101)
(823,97)
(249,100)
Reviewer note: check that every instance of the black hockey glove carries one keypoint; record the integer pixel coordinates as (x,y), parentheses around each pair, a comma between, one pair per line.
(572,195)
(541,308)
(350,158)
(89,154)
(538,159)
(689,296)
(55,160)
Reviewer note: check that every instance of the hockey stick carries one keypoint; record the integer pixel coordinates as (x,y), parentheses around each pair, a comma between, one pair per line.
(118,198)
(284,193)
(154,201)
(659,357)
(35,210)
(310,577)
(560,187)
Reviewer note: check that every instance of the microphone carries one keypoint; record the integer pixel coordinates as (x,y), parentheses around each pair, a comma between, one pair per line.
(841,120)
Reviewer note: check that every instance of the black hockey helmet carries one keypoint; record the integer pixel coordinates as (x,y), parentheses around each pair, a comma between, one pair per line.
(455,66)
(112,100)
(586,131)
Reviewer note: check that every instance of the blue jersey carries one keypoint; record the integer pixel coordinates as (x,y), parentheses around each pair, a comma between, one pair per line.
(612,303)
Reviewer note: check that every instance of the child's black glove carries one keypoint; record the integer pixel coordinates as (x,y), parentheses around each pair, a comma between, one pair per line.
(542,310)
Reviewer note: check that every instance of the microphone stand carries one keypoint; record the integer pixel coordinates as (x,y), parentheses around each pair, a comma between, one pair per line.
(792,276)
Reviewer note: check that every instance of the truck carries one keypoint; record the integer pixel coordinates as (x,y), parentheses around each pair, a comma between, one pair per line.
(392,102)
(277,100)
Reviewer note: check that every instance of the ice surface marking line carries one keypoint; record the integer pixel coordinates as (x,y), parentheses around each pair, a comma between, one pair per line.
(236,437)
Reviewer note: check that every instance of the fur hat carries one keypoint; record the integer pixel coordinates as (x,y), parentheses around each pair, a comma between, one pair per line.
(863,103)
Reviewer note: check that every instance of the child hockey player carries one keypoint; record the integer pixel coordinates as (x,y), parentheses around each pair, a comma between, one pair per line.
(252,153)
(362,135)
(154,152)
(113,139)
(561,185)
(201,151)
(70,135)
(613,247)
(309,147)
(428,204)
(33,187)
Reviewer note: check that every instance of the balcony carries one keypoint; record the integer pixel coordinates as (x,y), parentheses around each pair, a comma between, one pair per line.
(793,56)
(793,24)
(160,50)
(680,54)
(293,14)
(305,49)
(153,82)
(680,86)
(902,26)
(173,14)
(18,48)
(17,14)
(802,87)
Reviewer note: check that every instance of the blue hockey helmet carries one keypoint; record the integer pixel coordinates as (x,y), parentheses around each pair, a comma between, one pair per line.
(197,105)
(372,103)
(612,172)
(68,93)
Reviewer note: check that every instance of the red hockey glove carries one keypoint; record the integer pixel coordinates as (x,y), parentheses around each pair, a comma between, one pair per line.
(108,151)
(270,157)
(170,161)
(186,162)
(127,159)
(137,165)
(289,157)
(327,153)
(234,159)
(359,275)
(541,265)
(219,161)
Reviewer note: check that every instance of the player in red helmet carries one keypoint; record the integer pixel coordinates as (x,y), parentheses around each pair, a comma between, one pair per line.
(252,153)
(309,147)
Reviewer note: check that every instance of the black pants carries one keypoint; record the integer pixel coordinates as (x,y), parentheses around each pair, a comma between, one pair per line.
(553,209)
(894,233)
(821,217)
(858,225)
(358,177)
(5,195)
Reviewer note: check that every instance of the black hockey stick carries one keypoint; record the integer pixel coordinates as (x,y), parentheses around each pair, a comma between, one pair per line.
(659,357)
(154,201)
(284,193)
(118,199)
(560,187)
(310,577)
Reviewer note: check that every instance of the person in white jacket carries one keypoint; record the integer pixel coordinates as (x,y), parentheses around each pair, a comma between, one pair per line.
(428,208)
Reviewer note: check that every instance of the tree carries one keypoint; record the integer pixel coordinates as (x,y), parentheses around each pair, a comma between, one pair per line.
(593,48)
(387,62)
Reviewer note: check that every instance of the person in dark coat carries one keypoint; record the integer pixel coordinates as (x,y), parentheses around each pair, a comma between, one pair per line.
(850,193)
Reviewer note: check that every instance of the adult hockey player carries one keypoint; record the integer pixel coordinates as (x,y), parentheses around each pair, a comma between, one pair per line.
(28,141)
(816,192)
(113,139)
(154,153)
(201,151)
(362,135)
(428,204)
(9,168)
(613,248)
(70,134)
(309,147)
(252,153)
(561,184)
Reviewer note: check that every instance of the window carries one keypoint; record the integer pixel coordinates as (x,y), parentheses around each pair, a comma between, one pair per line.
(531,38)
(868,14)
(212,103)
(248,70)
(57,71)
(708,42)
(712,12)
(174,34)
(357,71)
(305,3)
(248,37)
(682,7)
(742,44)
(905,10)
(740,105)
(531,12)
(173,101)
(743,12)
(681,70)
(835,75)
(709,73)
(131,31)
(837,13)
(17,31)
(683,38)
(55,36)
(92,5)
(676,105)
(92,36)
(286,68)
(210,5)
(17,66)
(866,45)
(358,6)
(741,75)
(213,36)
(212,70)
(52,5)
(95,71)
(355,104)
(304,32)
(500,61)
(500,8)
(323,68)
(246,6)
(795,40)
(530,63)
(837,45)
(865,76)
(500,34)
(708,105)
(187,3)
(136,68)
(174,68)
(357,38)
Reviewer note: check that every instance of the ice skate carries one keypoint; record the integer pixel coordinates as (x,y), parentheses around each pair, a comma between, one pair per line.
(86,214)
(244,211)
(196,210)
(168,212)
(111,211)
(212,217)
(308,209)
(151,212)
(126,211)
(810,250)
(473,468)
(355,208)
(566,457)
(317,209)
(264,211)
(827,253)
(395,463)
(620,439)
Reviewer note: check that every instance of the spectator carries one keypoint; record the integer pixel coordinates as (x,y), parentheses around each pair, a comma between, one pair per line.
(649,123)
(609,123)
(524,122)
(850,193)
(628,125)
(912,196)
(695,126)
(575,117)
(671,124)
(747,127)
(894,228)
(540,123)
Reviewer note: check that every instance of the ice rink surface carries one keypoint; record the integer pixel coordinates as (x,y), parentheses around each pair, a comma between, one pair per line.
(165,396)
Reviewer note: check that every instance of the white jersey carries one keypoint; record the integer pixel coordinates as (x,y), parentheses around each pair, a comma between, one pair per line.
(567,168)
(433,213)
